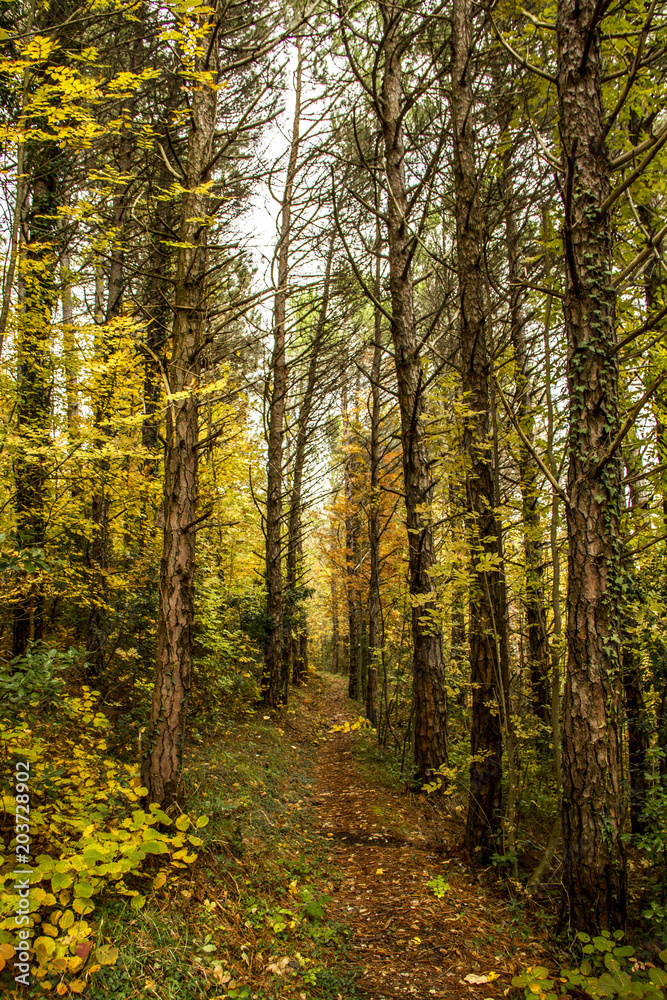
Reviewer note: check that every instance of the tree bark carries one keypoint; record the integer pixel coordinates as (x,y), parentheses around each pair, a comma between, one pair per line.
(374,651)
(45,167)
(486,614)
(352,546)
(173,677)
(295,638)
(594,876)
(272,675)
(430,696)
(536,621)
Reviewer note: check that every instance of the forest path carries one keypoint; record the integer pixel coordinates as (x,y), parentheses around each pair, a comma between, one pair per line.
(405,942)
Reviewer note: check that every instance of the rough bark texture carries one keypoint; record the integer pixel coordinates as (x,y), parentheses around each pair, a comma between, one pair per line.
(166,731)
(272,676)
(637,721)
(594,875)
(638,735)
(33,379)
(157,324)
(45,165)
(535,607)
(352,554)
(298,638)
(486,613)
(374,650)
(98,553)
(335,631)
(428,667)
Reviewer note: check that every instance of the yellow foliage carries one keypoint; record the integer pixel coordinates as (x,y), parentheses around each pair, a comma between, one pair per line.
(89,837)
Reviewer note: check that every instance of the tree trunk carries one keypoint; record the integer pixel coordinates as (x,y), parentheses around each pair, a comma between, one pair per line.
(594,876)
(374,651)
(166,732)
(536,621)
(69,350)
(99,554)
(272,675)
(45,165)
(294,546)
(486,615)
(352,542)
(430,694)
(335,636)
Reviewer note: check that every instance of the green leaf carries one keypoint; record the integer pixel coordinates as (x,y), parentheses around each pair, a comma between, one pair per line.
(61,880)
(154,847)
(106,954)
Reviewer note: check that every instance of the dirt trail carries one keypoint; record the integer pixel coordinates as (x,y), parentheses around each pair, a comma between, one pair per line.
(404,941)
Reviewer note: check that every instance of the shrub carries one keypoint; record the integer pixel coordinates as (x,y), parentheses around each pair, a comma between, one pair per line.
(89,837)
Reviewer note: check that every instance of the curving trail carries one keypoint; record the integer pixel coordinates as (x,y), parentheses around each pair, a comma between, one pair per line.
(404,941)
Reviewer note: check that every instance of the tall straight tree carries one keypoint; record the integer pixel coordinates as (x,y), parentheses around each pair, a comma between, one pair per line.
(536,621)
(46,163)
(211,64)
(391,104)
(488,674)
(166,732)
(297,638)
(374,458)
(273,657)
(594,856)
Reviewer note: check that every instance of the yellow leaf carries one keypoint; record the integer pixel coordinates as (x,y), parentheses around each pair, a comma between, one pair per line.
(159,880)
(44,948)
(107,954)
(61,989)
(380,871)
(183,822)
(77,986)
(83,906)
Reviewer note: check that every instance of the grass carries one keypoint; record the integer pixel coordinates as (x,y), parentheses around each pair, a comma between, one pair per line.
(249,917)
(381,765)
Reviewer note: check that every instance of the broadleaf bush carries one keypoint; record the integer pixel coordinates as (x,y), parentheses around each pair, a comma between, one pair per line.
(608,970)
(91,839)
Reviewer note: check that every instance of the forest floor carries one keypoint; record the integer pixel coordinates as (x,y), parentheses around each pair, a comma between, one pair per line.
(314,883)
(406,940)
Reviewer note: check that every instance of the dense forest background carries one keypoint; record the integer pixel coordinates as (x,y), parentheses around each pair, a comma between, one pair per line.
(419,439)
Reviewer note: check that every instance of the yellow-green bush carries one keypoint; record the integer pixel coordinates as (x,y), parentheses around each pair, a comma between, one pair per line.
(90,839)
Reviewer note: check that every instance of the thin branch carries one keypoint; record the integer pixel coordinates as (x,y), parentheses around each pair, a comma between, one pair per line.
(631,178)
(521,60)
(557,488)
(640,258)
(174,173)
(644,328)
(629,421)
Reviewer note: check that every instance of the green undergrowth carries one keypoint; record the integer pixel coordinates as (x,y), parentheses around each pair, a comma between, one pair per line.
(384,766)
(251,917)
(607,968)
